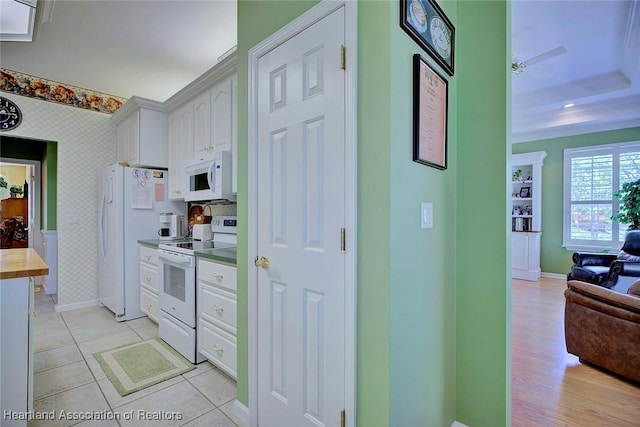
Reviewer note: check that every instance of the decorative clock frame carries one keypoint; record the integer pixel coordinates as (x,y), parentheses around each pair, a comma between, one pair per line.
(427,24)
(10,115)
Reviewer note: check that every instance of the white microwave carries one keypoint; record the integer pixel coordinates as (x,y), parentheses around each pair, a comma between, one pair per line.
(209,179)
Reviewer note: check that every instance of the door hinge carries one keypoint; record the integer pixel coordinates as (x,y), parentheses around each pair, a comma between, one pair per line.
(342,418)
(343,240)
(343,57)
(32,179)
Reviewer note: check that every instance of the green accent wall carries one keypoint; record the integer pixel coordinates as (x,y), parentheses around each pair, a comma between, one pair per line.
(482,237)
(433,304)
(47,153)
(553,257)
(373,389)
(421,261)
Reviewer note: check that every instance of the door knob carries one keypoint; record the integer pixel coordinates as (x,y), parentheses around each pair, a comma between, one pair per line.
(263,262)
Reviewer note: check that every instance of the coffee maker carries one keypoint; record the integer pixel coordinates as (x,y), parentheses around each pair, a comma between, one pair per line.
(171,226)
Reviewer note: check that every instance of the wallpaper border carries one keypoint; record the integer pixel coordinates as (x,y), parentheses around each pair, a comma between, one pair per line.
(48,90)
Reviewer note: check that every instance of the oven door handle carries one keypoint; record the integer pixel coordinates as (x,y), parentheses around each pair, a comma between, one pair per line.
(174,260)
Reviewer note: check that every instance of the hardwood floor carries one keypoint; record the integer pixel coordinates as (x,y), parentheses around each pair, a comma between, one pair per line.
(551,387)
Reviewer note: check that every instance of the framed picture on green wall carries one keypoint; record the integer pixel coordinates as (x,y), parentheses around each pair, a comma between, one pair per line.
(427,24)
(430,99)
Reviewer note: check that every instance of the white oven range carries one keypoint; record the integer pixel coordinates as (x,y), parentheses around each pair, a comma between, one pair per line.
(177,279)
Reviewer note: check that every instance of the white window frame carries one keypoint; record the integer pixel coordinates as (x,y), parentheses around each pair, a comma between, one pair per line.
(569,153)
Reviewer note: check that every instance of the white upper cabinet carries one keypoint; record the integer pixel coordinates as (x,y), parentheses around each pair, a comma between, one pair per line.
(179,150)
(202,118)
(222,115)
(202,126)
(142,133)
(234,134)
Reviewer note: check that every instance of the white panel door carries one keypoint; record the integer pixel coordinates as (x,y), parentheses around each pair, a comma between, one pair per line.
(301,211)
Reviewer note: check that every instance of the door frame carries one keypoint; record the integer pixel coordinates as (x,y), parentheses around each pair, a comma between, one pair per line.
(34,200)
(315,14)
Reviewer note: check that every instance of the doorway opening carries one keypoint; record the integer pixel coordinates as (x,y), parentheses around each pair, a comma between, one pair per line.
(28,219)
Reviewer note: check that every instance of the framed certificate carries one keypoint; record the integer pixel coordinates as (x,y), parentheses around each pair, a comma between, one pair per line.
(430,99)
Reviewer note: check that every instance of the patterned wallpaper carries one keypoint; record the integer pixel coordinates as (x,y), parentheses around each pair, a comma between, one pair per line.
(86,142)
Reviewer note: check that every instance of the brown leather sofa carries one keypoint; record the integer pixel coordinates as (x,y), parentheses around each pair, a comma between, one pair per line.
(602,327)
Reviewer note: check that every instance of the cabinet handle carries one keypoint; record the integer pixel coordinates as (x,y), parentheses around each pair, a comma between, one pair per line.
(218,350)
(218,276)
(218,309)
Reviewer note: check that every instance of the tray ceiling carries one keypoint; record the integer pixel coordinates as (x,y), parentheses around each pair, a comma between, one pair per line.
(584,53)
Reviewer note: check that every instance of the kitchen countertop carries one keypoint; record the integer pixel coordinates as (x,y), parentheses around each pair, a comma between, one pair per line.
(22,262)
(228,255)
(152,243)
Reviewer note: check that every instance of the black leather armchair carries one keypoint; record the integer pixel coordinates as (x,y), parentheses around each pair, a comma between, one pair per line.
(616,272)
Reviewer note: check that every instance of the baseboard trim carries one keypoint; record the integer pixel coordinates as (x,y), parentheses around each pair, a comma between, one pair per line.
(458,424)
(77,305)
(242,411)
(554,275)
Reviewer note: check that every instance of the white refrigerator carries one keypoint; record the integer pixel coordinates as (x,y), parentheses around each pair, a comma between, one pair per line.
(129,204)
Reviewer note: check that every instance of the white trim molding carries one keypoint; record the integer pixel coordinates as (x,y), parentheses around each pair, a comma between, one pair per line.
(77,305)
(554,275)
(315,14)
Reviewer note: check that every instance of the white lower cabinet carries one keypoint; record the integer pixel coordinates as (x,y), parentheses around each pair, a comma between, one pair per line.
(217,318)
(149,303)
(525,255)
(17,313)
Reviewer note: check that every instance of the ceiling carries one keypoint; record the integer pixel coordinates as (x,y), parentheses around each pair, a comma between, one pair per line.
(148,48)
(582,52)
(592,62)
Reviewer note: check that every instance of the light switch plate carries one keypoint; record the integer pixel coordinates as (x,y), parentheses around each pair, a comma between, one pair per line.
(426,215)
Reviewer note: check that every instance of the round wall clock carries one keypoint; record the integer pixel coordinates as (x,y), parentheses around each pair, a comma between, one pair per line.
(10,114)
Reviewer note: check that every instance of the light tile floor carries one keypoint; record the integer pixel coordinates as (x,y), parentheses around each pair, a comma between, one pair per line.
(69,381)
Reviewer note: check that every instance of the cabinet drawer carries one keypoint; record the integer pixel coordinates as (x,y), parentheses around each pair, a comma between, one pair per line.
(149,277)
(149,304)
(218,347)
(218,305)
(221,275)
(149,255)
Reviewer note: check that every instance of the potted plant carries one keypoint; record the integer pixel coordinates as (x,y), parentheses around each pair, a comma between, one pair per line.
(15,190)
(629,212)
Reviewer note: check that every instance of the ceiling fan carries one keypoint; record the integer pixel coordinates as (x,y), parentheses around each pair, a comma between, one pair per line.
(518,67)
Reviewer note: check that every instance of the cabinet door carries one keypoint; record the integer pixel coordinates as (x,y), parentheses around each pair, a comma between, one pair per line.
(180,149)
(122,149)
(132,125)
(202,126)
(234,134)
(221,115)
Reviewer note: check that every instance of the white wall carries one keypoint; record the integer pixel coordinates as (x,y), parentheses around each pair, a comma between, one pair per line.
(86,142)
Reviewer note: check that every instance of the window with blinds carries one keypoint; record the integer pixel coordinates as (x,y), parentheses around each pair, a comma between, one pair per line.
(591,177)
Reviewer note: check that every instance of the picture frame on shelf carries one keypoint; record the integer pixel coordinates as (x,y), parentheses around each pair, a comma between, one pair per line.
(525,192)
(427,25)
(430,106)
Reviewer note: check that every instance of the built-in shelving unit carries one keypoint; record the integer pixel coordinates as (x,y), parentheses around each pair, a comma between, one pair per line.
(526,203)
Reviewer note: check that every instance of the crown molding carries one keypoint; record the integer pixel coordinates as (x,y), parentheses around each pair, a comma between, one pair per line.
(222,70)
(135,103)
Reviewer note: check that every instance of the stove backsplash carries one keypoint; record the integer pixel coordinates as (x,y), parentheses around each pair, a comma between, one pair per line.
(218,209)
(210,210)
